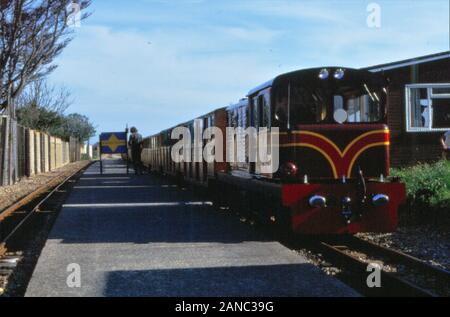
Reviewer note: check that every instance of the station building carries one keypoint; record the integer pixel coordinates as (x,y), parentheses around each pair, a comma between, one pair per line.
(418,107)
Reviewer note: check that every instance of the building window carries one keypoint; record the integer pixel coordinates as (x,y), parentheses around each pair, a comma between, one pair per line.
(427,107)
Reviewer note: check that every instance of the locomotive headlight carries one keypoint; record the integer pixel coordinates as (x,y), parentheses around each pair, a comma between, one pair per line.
(324,74)
(346,201)
(289,169)
(380,200)
(318,201)
(339,74)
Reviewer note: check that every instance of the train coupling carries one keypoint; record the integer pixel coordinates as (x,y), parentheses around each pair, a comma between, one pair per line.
(347,212)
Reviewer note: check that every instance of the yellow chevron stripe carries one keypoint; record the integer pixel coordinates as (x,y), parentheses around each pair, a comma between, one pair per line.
(342,154)
(320,136)
(362,137)
(350,168)
(333,166)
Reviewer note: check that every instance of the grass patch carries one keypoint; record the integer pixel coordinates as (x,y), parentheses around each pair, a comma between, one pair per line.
(428,188)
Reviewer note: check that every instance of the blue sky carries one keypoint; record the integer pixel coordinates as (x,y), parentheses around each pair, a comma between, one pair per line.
(155,63)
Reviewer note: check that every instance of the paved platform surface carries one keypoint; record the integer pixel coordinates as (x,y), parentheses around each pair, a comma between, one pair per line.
(140,236)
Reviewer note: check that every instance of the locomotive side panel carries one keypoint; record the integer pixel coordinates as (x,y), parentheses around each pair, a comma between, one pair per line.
(220,121)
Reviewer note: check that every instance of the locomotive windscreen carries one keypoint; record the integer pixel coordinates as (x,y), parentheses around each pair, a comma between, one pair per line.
(360,97)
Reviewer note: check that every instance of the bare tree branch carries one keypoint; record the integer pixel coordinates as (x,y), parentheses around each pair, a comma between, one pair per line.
(32,34)
(42,107)
(40,94)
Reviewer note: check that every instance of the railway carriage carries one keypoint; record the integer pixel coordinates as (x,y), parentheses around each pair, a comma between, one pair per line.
(156,155)
(333,153)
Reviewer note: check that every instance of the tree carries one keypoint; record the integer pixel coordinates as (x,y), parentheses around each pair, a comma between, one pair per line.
(41,107)
(76,125)
(40,119)
(32,34)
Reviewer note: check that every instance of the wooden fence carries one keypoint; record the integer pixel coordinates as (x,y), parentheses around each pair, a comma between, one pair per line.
(25,152)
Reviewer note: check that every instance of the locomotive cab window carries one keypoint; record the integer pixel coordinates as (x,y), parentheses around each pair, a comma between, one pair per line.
(303,104)
(261,110)
(281,109)
(427,107)
(364,107)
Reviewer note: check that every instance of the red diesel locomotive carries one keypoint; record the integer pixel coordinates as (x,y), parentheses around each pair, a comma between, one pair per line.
(333,153)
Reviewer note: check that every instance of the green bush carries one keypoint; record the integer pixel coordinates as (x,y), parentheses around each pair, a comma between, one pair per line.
(427,185)
(85,157)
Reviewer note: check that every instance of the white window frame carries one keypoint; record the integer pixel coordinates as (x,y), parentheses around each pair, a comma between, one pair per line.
(430,97)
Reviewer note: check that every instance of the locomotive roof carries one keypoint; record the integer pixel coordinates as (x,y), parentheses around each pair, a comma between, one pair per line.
(409,62)
(186,123)
(294,74)
(242,103)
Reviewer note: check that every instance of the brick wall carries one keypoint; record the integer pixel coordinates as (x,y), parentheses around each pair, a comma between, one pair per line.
(411,147)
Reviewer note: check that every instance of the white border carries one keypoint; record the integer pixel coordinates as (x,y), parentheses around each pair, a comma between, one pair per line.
(431,96)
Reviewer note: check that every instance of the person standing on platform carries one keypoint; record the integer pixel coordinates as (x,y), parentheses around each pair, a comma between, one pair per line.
(445,142)
(136,145)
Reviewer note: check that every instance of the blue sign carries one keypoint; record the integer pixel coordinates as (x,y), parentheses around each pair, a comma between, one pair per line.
(113,143)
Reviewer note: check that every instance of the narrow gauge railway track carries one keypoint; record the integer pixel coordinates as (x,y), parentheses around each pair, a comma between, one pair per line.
(27,216)
(13,218)
(401,274)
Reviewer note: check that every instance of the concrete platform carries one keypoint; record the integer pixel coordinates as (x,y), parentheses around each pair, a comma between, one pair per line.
(139,236)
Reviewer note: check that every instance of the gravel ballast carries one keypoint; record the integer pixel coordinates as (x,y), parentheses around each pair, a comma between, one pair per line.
(430,243)
(11,194)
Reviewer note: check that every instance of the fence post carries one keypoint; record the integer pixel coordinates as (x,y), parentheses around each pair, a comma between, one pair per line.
(2,147)
(59,152)
(31,153)
(14,162)
(45,153)
(37,152)
(52,153)
(22,152)
(6,152)
(67,152)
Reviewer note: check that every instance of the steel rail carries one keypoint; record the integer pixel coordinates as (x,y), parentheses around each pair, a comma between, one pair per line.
(403,258)
(29,198)
(54,185)
(392,283)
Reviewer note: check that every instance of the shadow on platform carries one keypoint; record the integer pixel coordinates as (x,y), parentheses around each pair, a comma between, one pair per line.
(253,281)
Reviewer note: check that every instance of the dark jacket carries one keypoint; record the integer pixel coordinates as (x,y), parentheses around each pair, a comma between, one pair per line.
(135,142)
